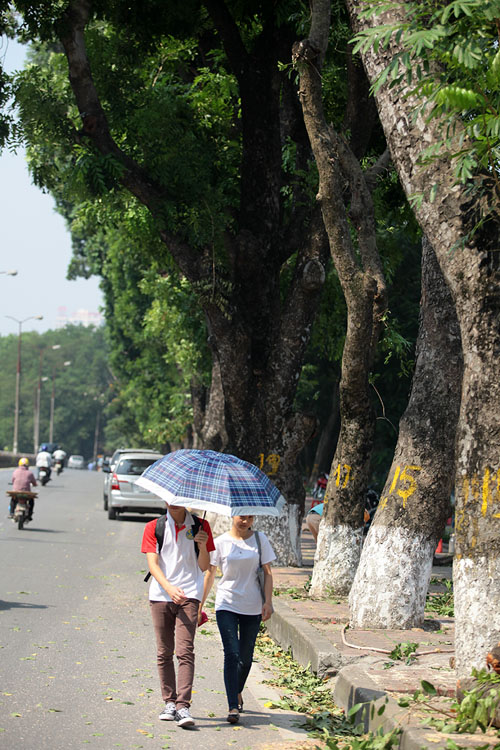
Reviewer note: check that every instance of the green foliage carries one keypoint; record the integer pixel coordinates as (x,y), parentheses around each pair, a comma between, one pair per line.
(81,389)
(173,106)
(475,711)
(441,603)
(449,59)
(301,690)
(404,651)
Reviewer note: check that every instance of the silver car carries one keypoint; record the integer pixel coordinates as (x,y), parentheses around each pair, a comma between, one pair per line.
(109,467)
(76,462)
(125,496)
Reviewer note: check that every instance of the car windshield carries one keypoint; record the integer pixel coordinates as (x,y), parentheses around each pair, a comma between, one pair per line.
(134,466)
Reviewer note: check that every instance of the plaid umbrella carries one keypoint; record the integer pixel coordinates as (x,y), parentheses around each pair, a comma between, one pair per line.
(212,481)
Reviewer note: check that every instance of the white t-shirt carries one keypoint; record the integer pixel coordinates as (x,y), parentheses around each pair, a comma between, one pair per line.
(238,589)
(177,558)
(44,459)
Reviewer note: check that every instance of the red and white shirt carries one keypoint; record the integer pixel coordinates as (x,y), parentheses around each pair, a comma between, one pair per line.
(177,557)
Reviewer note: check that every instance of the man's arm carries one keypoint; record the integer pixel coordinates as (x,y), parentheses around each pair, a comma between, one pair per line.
(201,540)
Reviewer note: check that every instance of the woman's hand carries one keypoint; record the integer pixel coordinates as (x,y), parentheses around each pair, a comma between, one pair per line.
(267,610)
(200,615)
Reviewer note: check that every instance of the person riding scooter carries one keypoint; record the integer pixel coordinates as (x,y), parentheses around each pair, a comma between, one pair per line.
(59,455)
(44,460)
(22,480)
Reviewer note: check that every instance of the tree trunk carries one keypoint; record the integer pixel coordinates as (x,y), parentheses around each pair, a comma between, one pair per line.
(213,434)
(391,582)
(362,280)
(470,266)
(327,440)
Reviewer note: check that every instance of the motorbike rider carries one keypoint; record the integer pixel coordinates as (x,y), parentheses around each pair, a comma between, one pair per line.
(59,455)
(44,459)
(22,480)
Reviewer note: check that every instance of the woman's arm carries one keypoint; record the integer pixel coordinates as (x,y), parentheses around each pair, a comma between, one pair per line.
(267,607)
(175,593)
(207,586)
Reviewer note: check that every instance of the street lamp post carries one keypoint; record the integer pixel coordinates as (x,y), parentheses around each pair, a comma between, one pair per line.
(18,375)
(53,400)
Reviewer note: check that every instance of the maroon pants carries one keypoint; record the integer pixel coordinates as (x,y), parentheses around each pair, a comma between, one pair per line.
(175,628)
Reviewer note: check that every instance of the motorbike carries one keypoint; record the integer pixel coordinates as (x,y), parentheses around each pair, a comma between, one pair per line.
(319,491)
(43,475)
(22,507)
(58,466)
(371,505)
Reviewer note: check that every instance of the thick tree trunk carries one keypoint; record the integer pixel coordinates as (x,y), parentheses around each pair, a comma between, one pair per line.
(391,582)
(213,434)
(261,424)
(470,267)
(362,280)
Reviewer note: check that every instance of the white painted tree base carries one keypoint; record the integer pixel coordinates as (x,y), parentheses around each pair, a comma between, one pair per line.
(337,557)
(284,534)
(477,611)
(392,579)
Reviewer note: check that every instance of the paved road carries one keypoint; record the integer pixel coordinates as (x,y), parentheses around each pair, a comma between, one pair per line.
(77,656)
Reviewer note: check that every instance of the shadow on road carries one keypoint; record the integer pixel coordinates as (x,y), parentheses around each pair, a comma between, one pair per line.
(138,518)
(21,605)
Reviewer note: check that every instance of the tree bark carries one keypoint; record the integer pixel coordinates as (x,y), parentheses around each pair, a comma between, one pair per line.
(362,280)
(391,582)
(471,269)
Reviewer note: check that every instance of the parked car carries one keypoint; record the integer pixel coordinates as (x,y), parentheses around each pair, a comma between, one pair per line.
(76,462)
(125,496)
(108,468)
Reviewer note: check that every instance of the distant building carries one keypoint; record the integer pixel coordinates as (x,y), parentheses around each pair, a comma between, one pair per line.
(80,317)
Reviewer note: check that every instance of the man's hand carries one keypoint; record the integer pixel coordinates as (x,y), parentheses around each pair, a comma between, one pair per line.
(201,537)
(176,594)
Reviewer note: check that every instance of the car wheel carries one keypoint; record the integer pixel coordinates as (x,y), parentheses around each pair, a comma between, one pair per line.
(111,513)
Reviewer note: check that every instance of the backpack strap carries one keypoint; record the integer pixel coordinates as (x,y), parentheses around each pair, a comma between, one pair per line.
(257,539)
(160,534)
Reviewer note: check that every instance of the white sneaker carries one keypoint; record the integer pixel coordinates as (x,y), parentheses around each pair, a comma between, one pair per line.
(168,713)
(184,718)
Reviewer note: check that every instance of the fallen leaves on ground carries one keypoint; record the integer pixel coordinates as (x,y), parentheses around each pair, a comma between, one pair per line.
(291,745)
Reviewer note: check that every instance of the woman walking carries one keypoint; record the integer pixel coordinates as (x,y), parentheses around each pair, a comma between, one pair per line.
(240,604)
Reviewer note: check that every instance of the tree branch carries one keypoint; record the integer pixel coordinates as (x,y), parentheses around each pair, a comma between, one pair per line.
(95,127)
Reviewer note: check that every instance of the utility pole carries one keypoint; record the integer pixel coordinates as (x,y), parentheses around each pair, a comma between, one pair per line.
(18,377)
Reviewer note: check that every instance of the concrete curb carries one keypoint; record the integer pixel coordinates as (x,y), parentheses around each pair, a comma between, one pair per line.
(353,684)
(381,713)
(309,648)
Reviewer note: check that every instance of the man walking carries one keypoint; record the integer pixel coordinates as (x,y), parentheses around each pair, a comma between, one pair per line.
(177,557)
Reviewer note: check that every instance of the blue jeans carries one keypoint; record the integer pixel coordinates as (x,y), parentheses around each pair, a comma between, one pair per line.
(238,650)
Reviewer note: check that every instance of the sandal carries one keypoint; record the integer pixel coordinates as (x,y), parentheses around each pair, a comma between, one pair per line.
(233,718)
(240,703)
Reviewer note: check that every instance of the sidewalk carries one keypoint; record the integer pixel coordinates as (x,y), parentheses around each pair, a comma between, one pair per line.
(313,630)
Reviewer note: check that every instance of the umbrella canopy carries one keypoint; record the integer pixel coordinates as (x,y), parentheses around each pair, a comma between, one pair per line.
(212,481)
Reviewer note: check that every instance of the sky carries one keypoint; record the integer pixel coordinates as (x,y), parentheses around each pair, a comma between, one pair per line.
(35,242)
